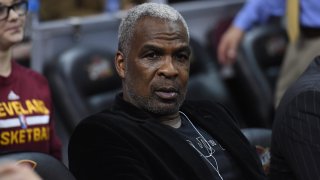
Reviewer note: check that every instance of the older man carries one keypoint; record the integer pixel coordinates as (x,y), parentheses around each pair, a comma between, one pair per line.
(150,132)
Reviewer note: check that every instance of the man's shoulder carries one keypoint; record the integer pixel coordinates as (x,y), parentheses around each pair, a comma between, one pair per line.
(107,117)
(309,79)
(100,117)
(204,105)
(308,82)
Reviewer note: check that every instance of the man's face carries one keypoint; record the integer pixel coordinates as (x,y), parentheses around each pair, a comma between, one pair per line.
(156,70)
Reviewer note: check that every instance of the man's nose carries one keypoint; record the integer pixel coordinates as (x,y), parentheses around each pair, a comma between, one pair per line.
(168,68)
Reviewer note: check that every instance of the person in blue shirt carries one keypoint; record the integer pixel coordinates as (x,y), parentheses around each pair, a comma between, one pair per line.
(298,55)
(295,129)
(34,6)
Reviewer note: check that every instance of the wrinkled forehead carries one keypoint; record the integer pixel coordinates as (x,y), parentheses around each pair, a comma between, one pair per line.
(157,32)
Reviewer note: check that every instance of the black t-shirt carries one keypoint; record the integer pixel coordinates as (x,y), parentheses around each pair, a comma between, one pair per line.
(210,150)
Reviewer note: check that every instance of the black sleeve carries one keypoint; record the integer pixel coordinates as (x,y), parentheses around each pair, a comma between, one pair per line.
(296,139)
(98,152)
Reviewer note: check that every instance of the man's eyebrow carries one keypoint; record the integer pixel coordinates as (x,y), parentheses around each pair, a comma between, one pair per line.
(151,47)
(184,48)
(156,48)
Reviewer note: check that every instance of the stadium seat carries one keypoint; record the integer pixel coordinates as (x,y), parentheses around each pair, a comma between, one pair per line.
(205,82)
(256,71)
(46,166)
(83,80)
(260,138)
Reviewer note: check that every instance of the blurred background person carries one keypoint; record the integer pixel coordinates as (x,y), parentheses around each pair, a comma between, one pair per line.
(303,27)
(26,113)
(295,148)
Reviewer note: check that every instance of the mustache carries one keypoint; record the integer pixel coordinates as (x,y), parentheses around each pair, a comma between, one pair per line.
(167,87)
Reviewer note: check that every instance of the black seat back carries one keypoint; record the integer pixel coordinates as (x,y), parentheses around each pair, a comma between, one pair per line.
(265,47)
(205,82)
(257,68)
(46,166)
(83,81)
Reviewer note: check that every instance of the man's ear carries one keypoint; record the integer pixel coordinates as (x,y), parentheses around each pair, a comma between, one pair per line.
(120,64)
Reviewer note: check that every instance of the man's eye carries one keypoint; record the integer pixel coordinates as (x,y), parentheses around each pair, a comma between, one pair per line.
(182,57)
(152,55)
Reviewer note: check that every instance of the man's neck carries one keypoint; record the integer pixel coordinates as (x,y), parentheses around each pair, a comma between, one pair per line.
(5,61)
(171,120)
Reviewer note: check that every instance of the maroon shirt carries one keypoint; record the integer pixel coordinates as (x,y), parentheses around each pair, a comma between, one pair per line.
(26,122)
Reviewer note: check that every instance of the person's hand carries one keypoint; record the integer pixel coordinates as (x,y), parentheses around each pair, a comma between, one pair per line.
(13,171)
(228,46)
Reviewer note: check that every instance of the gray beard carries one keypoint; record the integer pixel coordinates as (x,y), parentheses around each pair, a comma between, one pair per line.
(153,105)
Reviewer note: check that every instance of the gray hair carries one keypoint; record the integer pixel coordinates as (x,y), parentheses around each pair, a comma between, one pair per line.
(127,25)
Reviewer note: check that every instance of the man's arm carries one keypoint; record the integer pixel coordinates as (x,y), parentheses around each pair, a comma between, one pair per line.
(254,11)
(258,11)
(99,152)
(296,139)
